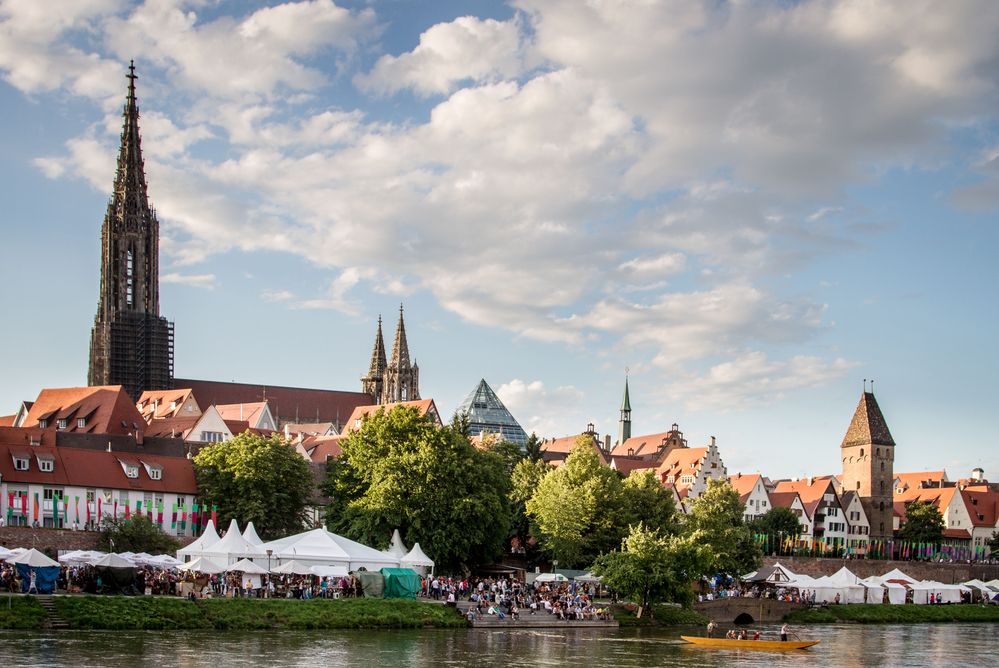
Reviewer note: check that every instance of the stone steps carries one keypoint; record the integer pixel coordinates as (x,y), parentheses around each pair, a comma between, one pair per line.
(52,618)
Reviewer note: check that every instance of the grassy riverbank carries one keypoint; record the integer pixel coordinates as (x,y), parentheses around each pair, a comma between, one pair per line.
(896,614)
(662,615)
(147,612)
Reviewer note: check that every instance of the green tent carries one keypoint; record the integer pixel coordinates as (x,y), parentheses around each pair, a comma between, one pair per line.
(401,583)
(372,582)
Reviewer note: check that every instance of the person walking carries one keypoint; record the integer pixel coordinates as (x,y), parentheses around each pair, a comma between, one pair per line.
(32,582)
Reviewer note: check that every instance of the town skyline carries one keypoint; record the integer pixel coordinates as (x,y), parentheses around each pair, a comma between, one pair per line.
(748,294)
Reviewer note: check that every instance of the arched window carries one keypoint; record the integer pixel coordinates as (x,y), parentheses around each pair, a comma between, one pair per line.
(882,486)
(882,510)
(882,527)
(882,467)
(879,452)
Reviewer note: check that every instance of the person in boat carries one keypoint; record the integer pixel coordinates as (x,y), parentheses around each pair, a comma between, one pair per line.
(730,634)
(783,633)
(756,636)
(711,628)
(743,635)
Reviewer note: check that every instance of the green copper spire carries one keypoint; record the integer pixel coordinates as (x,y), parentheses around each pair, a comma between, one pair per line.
(624,426)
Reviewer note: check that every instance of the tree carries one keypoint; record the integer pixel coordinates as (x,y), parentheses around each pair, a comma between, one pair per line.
(923,523)
(138,534)
(577,508)
(259,479)
(653,567)
(532,449)
(524,480)
(646,501)
(775,523)
(715,520)
(400,471)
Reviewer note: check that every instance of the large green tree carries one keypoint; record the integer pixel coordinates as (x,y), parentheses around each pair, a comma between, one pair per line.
(256,478)
(577,508)
(715,520)
(777,522)
(138,534)
(653,567)
(401,471)
(923,523)
(524,481)
(646,501)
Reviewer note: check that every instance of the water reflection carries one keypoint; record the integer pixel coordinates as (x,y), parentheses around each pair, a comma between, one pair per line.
(848,646)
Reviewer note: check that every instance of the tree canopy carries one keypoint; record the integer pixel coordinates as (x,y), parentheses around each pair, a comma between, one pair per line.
(923,523)
(653,567)
(715,520)
(259,479)
(777,522)
(647,502)
(138,534)
(577,508)
(401,471)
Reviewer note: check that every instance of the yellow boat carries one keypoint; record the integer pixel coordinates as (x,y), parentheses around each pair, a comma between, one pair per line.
(750,644)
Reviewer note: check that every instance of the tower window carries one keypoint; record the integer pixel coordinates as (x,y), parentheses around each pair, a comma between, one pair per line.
(882,468)
(129,278)
(882,486)
(861,450)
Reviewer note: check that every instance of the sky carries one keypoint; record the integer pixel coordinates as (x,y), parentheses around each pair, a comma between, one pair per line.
(748,207)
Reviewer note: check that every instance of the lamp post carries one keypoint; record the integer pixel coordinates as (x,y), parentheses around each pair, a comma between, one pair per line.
(267,590)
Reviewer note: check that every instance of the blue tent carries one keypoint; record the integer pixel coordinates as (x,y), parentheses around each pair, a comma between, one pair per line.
(45,571)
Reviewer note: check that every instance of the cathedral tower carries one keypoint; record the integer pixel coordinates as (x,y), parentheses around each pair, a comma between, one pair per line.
(130,344)
(868,453)
(396,379)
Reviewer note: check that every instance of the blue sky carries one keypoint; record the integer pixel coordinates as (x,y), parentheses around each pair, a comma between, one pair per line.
(751,205)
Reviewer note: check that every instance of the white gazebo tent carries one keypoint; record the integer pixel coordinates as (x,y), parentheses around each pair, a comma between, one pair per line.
(844,583)
(205,540)
(329,571)
(113,561)
(896,590)
(293,567)
(79,557)
(232,547)
(202,565)
(163,561)
(251,572)
(417,560)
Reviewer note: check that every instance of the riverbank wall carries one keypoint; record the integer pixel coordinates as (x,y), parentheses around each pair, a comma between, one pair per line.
(52,541)
(921,570)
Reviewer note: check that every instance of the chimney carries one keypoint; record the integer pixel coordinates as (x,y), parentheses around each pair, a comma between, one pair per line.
(607,443)
(977,474)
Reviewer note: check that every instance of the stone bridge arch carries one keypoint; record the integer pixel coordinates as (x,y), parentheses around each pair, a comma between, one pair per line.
(745,610)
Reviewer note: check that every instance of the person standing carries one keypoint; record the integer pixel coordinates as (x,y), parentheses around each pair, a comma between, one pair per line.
(711,629)
(783,633)
(32,582)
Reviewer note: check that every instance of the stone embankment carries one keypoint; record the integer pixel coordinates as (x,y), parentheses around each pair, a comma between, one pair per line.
(53,540)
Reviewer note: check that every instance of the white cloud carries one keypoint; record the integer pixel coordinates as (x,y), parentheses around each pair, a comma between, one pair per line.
(336,296)
(753,379)
(448,53)
(541,410)
(277,295)
(204,281)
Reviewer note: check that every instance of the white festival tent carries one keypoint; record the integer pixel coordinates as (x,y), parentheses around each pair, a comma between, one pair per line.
(163,561)
(113,561)
(551,577)
(250,535)
(847,585)
(417,560)
(5,553)
(948,593)
(329,571)
(320,547)
(33,558)
(205,540)
(896,591)
(246,566)
(79,557)
(293,567)
(396,548)
(232,547)
(202,565)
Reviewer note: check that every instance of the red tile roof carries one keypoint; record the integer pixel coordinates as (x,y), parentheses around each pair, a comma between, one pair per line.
(811,491)
(7,420)
(628,464)
(982,505)
(172,426)
(157,404)
(321,447)
(557,450)
(286,403)
(782,499)
(107,409)
(744,484)
(961,534)
(917,478)
(681,461)
(424,406)
(80,467)
(640,446)
(248,412)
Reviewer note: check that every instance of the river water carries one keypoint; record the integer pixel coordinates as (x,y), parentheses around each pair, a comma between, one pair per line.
(842,645)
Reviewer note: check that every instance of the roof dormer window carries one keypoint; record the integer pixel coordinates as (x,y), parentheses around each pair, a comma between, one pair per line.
(61,423)
(131,471)
(46,465)
(20,463)
(81,423)
(155,474)
(43,423)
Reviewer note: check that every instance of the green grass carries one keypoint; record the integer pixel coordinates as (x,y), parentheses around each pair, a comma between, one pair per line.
(896,614)
(21,613)
(662,615)
(121,612)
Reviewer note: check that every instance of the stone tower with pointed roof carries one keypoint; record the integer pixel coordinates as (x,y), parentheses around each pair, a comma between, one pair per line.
(395,379)
(130,344)
(868,453)
(624,424)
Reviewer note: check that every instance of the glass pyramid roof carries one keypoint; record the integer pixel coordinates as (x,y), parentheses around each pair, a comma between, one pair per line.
(486,413)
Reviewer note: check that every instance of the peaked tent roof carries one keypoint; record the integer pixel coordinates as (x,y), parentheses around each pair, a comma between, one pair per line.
(34,558)
(232,545)
(246,566)
(396,548)
(250,535)
(323,545)
(202,565)
(486,413)
(208,538)
(417,557)
(113,561)
(868,426)
(293,567)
